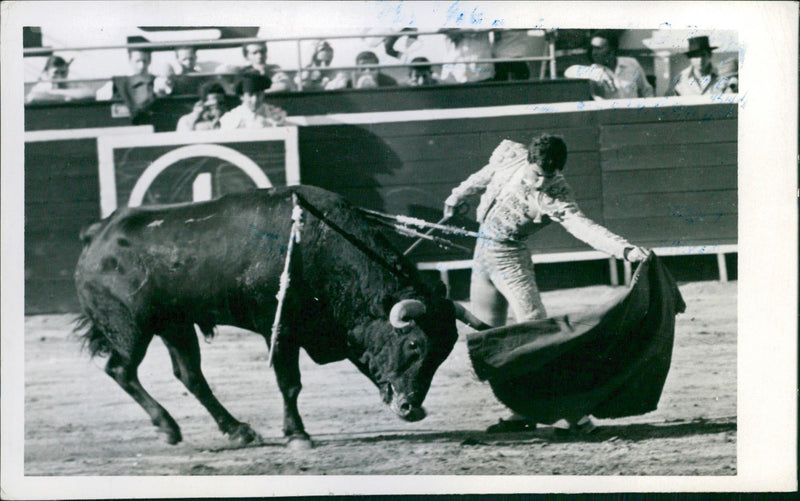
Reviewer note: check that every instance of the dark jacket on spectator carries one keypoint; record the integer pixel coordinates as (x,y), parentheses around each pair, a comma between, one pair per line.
(138,94)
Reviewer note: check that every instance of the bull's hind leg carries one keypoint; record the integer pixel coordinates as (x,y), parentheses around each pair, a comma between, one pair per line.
(124,372)
(185,353)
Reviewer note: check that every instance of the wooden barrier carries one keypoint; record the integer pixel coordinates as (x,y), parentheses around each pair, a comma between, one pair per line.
(662,172)
(445,267)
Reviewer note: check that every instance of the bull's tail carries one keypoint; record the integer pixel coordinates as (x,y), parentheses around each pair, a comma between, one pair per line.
(92,338)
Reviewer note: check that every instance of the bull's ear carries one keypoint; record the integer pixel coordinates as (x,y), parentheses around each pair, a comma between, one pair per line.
(382,306)
(387,302)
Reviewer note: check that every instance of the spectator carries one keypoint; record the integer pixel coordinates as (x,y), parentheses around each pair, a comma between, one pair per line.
(463,49)
(699,77)
(185,61)
(140,89)
(611,76)
(253,113)
(207,111)
(51,86)
(420,76)
(368,76)
(411,46)
(256,55)
(514,44)
(316,77)
(729,71)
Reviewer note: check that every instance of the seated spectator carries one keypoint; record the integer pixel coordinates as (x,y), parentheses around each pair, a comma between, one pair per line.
(253,113)
(409,47)
(366,77)
(420,76)
(514,44)
(185,61)
(51,86)
(315,76)
(463,49)
(611,76)
(729,72)
(256,55)
(179,72)
(207,111)
(699,77)
(140,89)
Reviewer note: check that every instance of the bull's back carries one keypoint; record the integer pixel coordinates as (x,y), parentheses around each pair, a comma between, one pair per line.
(202,257)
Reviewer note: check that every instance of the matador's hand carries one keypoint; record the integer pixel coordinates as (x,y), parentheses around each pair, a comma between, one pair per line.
(636,254)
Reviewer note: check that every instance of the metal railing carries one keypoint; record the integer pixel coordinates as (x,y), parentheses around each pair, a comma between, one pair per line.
(549,58)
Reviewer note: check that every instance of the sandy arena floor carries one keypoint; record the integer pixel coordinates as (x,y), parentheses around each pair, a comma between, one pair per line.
(79,422)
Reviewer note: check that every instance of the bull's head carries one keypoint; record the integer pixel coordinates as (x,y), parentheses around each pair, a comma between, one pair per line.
(401,355)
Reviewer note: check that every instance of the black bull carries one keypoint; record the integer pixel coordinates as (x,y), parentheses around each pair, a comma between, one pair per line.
(163,270)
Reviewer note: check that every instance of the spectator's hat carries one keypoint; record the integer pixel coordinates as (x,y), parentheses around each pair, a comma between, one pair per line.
(698,45)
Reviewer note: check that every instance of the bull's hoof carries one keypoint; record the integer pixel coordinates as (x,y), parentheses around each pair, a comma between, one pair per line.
(243,434)
(171,435)
(299,442)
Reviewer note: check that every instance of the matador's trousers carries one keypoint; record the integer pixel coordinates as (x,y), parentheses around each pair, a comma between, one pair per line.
(502,275)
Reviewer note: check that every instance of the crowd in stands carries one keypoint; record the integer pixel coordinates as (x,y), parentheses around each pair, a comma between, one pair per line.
(468,58)
(617,77)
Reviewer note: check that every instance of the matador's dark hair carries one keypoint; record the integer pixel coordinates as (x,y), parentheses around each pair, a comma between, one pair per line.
(548,152)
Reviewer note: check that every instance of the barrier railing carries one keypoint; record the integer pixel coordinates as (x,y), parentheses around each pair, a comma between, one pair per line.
(549,58)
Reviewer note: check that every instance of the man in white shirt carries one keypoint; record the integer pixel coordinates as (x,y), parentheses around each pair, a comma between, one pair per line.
(253,113)
(700,77)
(464,48)
(611,76)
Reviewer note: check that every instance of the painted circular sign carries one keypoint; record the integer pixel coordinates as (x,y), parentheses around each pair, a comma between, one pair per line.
(233,157)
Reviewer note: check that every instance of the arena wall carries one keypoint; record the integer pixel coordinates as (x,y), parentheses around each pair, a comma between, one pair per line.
(663,175)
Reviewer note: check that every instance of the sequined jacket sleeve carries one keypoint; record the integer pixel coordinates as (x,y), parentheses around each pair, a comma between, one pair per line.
(507,154)
(558,203)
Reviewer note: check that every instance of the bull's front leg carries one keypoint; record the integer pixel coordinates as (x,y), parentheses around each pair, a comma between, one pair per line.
(287,372)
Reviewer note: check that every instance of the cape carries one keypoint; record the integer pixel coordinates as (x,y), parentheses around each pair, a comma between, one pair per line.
(610,362)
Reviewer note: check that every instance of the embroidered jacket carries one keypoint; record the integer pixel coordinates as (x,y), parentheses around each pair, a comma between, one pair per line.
(516,202)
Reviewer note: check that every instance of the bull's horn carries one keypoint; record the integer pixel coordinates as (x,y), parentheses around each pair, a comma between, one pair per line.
(468,318)
(404,311)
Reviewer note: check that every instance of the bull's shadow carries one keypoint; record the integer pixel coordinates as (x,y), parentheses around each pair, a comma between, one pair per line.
(347,159)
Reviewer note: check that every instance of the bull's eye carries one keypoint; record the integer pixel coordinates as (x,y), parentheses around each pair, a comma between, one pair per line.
(413,347)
